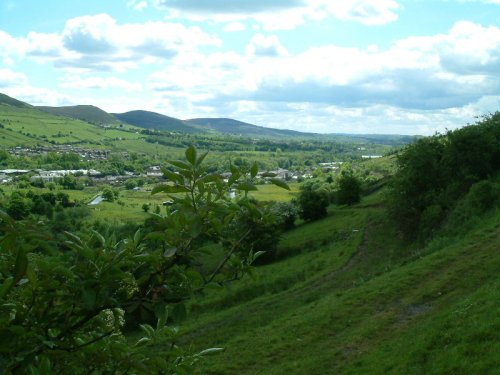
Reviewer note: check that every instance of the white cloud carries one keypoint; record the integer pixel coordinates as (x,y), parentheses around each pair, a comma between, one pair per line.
(99,43)
(265,46)
(410,84)
(137,4)
(9,79)
(281,14)
(367,12)
(78,82)
(8,48)
(234,26)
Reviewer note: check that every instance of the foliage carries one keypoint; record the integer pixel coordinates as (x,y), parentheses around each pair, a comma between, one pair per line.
(108,194)
(286,214)
(312,201)
(435,172)
(349,191)
(63,305)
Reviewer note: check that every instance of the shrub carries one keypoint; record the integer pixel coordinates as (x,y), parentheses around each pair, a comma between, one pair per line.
(286,214)
(312,201)
(349,191)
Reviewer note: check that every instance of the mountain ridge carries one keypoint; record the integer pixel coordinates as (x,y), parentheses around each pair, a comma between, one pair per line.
(84,112)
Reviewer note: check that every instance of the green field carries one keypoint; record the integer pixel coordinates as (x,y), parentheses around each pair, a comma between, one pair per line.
(353,298)
(30,126)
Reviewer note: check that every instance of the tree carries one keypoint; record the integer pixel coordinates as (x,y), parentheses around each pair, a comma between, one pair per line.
(145,207)
(130,184)
(434,173)
(18,207)
(63,305)
(312,201)
(108,195)
(349,191)
(286,214)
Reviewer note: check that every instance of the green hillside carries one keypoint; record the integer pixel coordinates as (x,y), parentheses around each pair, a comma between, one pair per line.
(153,120)
(230,126)
(7,100)
(88,113)
(26,126)
(356,299)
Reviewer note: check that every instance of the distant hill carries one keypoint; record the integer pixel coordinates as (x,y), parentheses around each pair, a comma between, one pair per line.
(230,126)
(157,121)
(88,113)
(5,99)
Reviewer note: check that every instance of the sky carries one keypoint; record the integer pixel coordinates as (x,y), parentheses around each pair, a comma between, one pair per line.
(325,66)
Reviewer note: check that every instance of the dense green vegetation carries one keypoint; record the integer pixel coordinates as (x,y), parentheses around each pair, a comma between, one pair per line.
(436,172)
(387,265)
(360,302)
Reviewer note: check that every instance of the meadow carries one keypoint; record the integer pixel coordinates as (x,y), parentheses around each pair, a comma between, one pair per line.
(354,298)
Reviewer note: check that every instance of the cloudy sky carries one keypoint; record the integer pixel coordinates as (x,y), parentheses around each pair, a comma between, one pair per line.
(329,66)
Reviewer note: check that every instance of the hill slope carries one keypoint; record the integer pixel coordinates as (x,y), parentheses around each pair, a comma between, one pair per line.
(88,113)
(7,100)
(356,300)
(28,126)
(230,126)
(153,120)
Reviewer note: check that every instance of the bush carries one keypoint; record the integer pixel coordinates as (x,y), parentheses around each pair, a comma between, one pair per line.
(349,191)
(482,197)
(286,214)
(439,171)
(312,201)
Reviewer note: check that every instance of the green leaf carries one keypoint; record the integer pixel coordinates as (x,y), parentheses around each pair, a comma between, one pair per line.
(179,312)
(209,178)
(74,238)
(89,298)
(254,170)
(30,273)
(191,155)
(142,340)
(170,252)
(100,237)
(211,351)
(169,189)
(234,169)
(201,158)
(45,366)
(137,237)
(246,186)
(148,330)
(257,254)
(280,183)
(180,164)
(172,176)
(21,265)
(161,313)
(7,284)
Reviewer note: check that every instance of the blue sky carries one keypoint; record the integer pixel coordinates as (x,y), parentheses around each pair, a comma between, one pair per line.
(350,66)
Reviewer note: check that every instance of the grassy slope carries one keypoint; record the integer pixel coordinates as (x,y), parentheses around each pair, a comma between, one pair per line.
(360,303)
(230,126)
(27,125)
(87,113)
(153,120)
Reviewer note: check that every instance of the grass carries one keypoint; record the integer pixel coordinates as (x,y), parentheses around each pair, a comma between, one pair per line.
(40,127)
(366,303)
(272,192)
